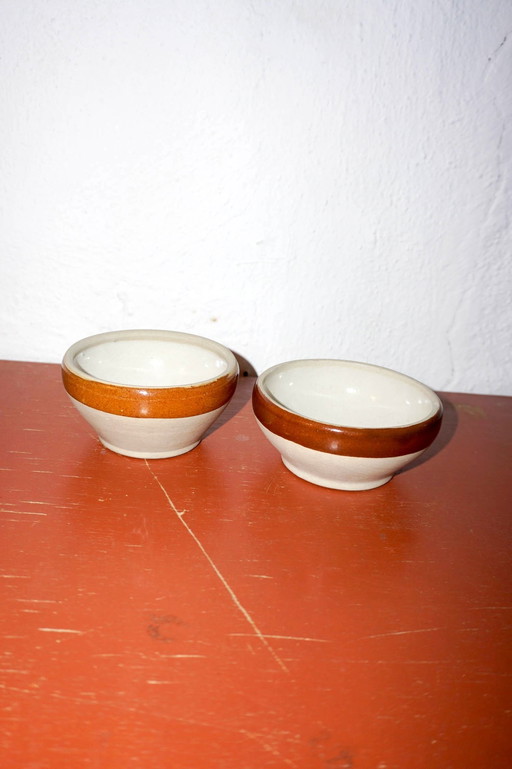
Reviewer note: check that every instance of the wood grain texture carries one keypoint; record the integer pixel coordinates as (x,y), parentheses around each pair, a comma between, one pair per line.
(215,611)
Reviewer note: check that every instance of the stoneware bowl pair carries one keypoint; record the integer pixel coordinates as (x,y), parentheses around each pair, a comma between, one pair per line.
(339,424)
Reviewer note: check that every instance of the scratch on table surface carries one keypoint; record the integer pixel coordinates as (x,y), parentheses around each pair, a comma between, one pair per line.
(34,502)
(404,632)
(472,411)
(185,656)
(49,504)
(21,512)
(286,637)
(263,742)
(17,689)
(35,600)
(15,671)
(397,662)
(154,682)
(14,576)
(86,699)
(260,576)
(260,739)
(61,630)
(256,630)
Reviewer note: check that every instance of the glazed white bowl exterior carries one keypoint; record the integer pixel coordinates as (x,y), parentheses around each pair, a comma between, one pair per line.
(334,471)
(344,424)
(148,438)
(149,393)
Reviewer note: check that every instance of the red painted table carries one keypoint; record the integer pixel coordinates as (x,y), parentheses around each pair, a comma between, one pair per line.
(213,610)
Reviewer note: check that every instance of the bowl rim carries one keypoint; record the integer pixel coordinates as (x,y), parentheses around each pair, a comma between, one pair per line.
(136,334)
(341,439)
(149,401)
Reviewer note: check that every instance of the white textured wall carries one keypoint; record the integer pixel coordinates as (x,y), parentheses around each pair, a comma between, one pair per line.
(295,178)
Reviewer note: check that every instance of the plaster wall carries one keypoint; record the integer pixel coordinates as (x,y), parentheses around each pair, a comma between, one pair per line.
(294,178)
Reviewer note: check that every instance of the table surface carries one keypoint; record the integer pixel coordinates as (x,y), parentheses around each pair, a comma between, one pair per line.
(213,610)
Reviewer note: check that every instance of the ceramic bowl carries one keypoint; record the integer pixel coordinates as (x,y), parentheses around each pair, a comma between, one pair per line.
(343,424)
(149,393)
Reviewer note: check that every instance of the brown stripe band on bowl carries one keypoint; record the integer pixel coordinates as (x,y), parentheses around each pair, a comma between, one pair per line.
(345,441)
(150,402)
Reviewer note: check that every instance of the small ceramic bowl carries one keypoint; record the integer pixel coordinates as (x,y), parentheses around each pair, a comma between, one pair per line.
(147,393)
(342,424)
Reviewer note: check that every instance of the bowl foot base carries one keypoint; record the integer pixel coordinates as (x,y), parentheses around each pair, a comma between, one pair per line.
(149,454)
(331,483)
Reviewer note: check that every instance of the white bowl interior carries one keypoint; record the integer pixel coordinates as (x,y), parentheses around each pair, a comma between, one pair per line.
(349,394)
(150,362)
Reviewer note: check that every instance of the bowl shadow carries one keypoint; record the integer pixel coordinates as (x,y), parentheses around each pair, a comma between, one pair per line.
(446,433)
(241,396)
(246,367)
